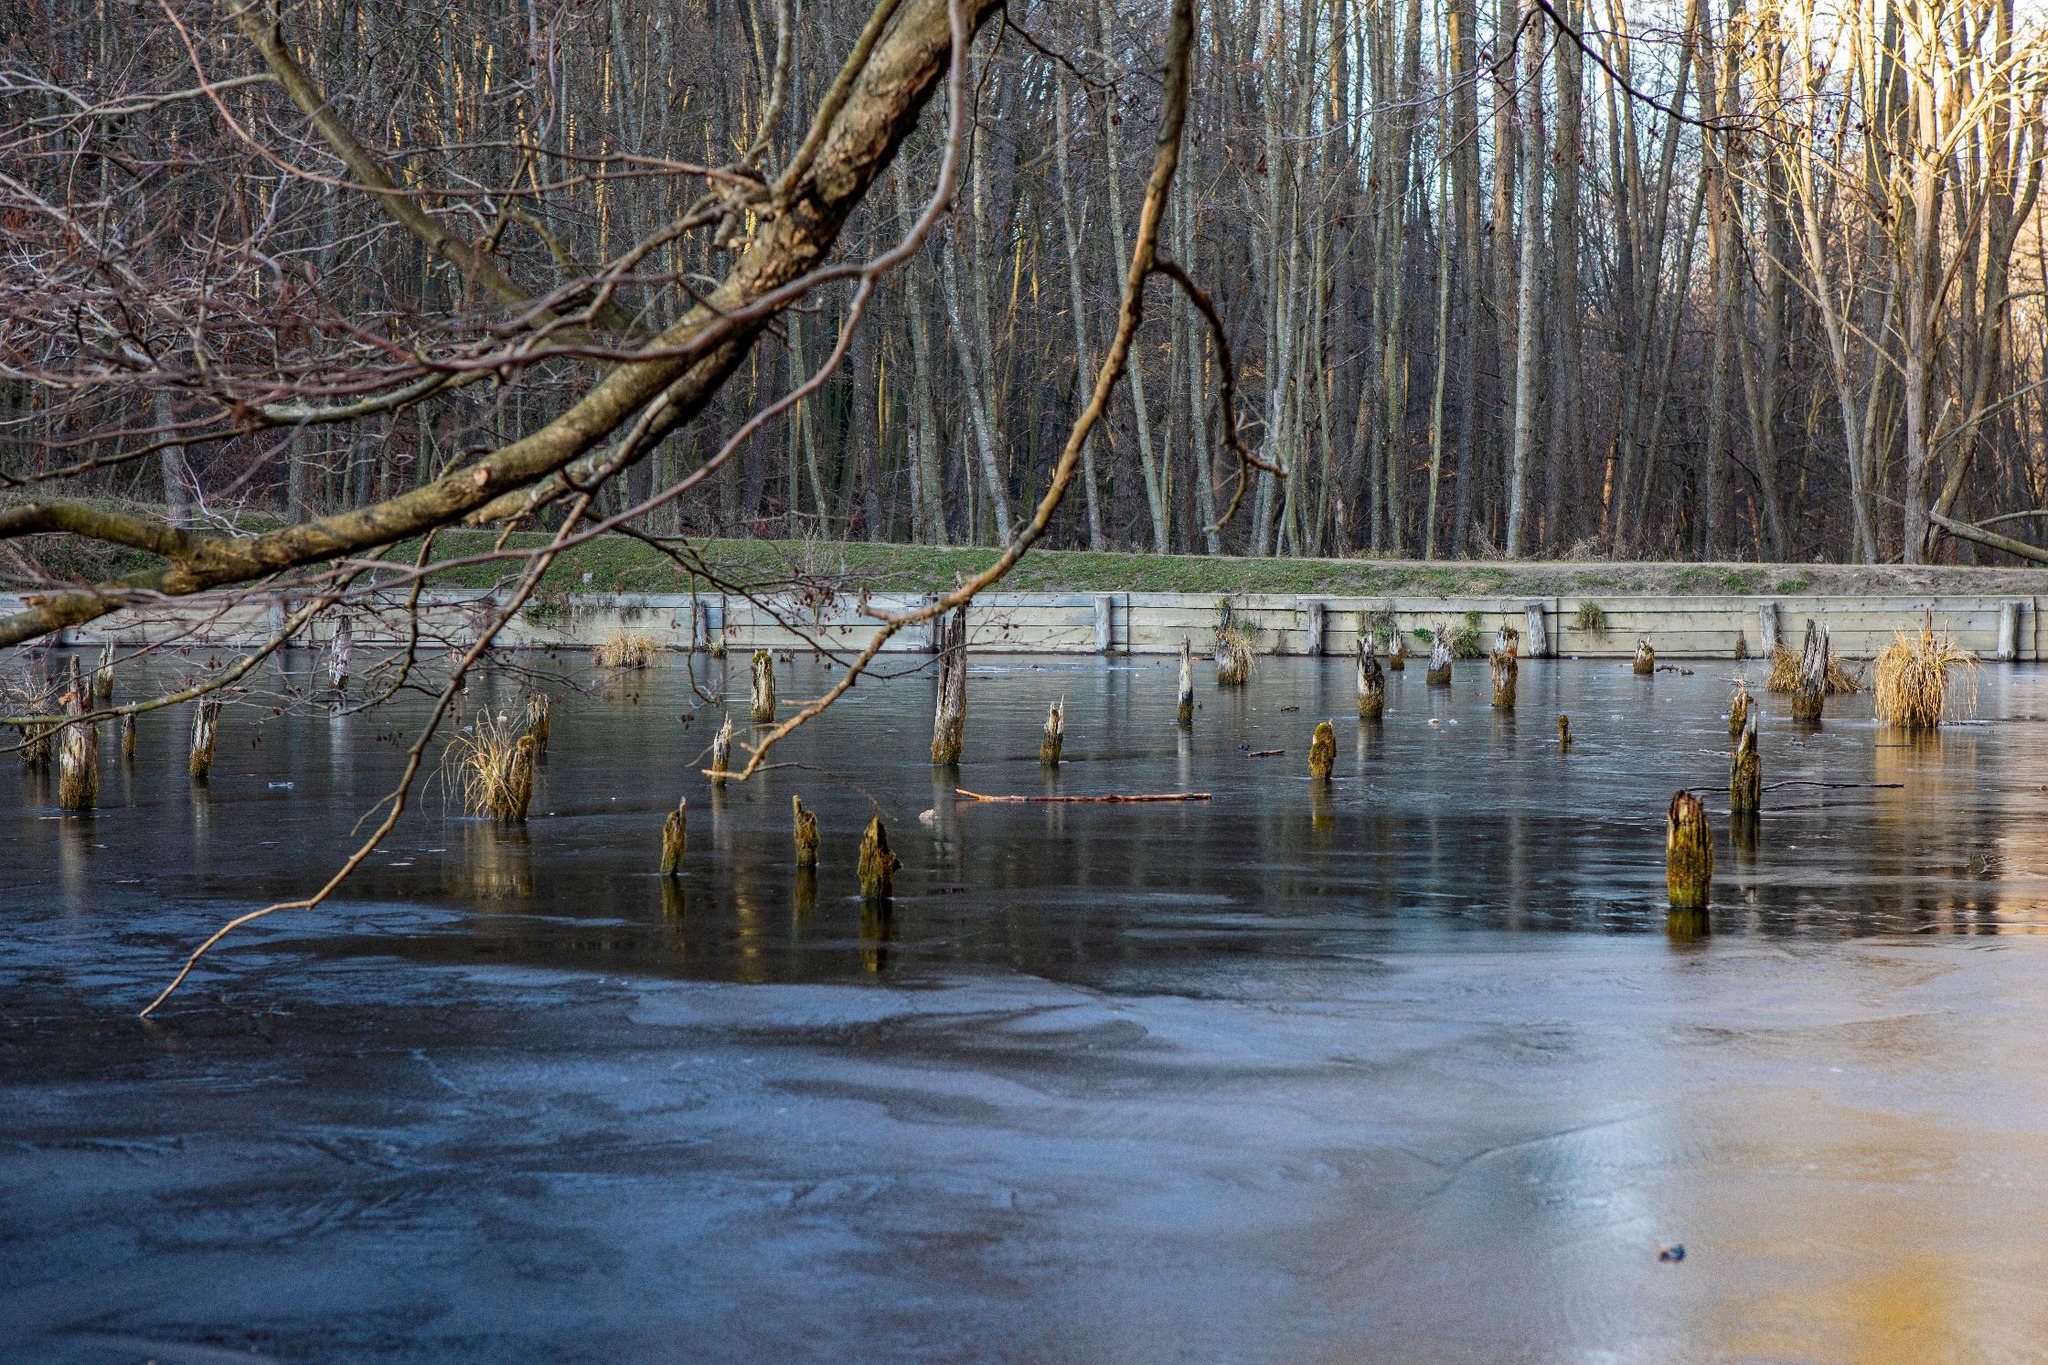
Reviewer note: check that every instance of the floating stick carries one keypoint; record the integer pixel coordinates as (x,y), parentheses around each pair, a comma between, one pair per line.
(805,833)
(1372,683)
(1688,853)
(877,864)
(721,753)
(1185,712)
(761,705)
(205,730)
(949,721)
(1506,648)
(1738,709)
(1646,657)
(1085,800)
(1322,752)
(675,838)
(1745,773)
(1055,734)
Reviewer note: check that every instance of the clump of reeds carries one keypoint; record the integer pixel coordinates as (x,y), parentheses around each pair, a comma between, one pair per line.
(1055,734)
(1591,618)
(626,649)
(1787,662)
(494,763)
(1912,679)
(1233,657)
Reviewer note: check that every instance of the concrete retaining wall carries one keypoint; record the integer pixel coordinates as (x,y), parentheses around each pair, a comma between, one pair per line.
(1147,623)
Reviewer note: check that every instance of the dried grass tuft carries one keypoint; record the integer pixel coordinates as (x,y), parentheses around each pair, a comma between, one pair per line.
(1233,657)
(493,765)
(626,649)
(1785,665)
(1912,679)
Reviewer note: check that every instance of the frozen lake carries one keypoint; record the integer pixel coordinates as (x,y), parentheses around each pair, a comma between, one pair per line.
(1404,1069)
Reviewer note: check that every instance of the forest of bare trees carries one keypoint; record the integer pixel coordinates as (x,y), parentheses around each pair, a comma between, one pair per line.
(1682,279)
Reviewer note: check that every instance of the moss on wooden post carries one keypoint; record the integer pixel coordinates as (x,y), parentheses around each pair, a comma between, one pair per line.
(949,718)
(1564,732)
(1439,674)
(1745,774)
(205,731)
(540,721)
(1688,853)
(877,864)
(1397,654)
(103,677)
(761,702)
(803,832)
(1322,752)
(525,757)
(675,838)
(1738,709)
(1372,682)
(128,738)
(1646,657)
(78,750)
(1810,689)
(1055,734)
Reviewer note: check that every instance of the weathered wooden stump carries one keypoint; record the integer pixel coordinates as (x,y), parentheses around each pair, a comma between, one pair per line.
(205,731)
(1055,734)
(1746,773)
(103,677)
(675,838)
(877,864)
(340,652)
(128,738)
(1688,853)
(1811,688)
(1184,710)
(525,758)
(78,751)
(1439,674)
(1738,709)
(1506,666)
(761,702)
(949,720)
(1397,654)
(1564,732)
(540,722)
(1372,682)
(721,752)
(1322,751)
(804,832)
(1646,657)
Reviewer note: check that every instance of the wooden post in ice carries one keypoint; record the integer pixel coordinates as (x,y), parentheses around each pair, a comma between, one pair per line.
(2008,632)
(1055,734)
(721,752)
(1646,657)
(78,751)
(339,654)
(1184,710)
(1105,623)
(1745,773)
(1322,752)
(128,737)
(103,677)
(1564,732)
(205,730)
(1811,690)
(1738,708)
(949,722)
(1439,674)
(1506,646)
(1313,616)
(803,832)
(675,838)
(761,703)
(1767,628)
(1688,853)
(1536,630)
(1372,683)
(877,864)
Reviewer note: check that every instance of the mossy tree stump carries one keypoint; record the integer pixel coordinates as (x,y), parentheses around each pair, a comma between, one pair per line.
(803,832)
(675,838)
(1564,732)
(78,750)
(1688,853)
(1322,752)
(1184,707)
(1646,657)
(877,864)
(205,732)
(1439,674)
(1506,667)
(1372,682)
(721,752)
(340,651)
(761,702)
(1397,654)
(1810,690)
(1055,734)
(1738,709)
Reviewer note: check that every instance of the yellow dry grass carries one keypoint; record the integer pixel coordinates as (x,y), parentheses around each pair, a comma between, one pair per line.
(1233,657)
(1785,674)
(626,649)
(1912,679)
(493,763)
